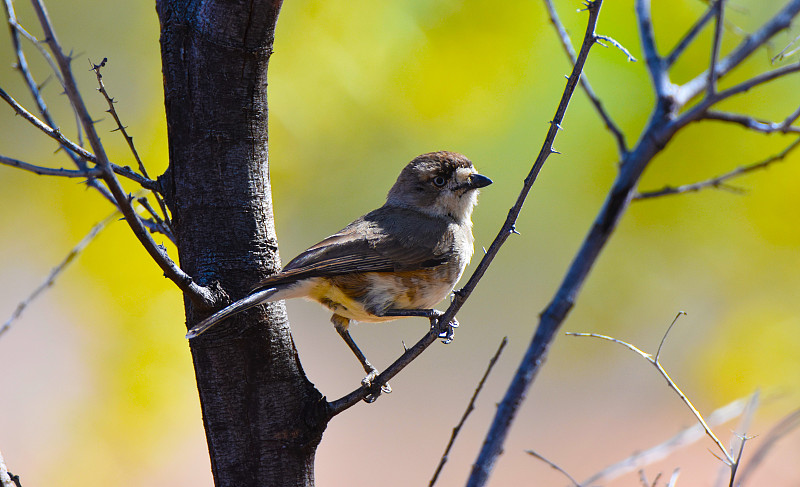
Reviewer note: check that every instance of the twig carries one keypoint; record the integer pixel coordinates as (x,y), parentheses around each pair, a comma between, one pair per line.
(689,36)
(59,137)
(753,124)
(506,230)
(121,128)
(467,412)
(656,65)
(656,453)
(657,364)
(784,54)
(788,424)
(616,44)
(49,171)
(673,480)
(202,296)
(566,43)
(719,181)
(507,409)
(780,21)
(719,10)
(164,226)
(57,270)
(554,466)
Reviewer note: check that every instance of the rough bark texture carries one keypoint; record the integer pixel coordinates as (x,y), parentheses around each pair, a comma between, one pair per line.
(263,419)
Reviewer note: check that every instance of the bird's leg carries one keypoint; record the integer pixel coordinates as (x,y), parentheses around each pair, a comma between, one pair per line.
(446,335)
(341,324)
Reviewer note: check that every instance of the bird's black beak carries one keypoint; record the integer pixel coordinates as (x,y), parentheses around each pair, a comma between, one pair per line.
(479,181)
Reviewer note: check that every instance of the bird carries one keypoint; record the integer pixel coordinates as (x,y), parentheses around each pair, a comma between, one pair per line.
(399,260)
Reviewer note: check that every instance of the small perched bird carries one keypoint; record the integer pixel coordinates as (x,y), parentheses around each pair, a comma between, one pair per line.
(397,261)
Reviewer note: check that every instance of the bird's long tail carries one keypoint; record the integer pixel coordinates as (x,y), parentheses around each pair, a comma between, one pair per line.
(243,304)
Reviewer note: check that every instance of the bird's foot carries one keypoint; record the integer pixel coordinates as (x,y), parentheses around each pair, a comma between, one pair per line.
(446,332)
(375,392)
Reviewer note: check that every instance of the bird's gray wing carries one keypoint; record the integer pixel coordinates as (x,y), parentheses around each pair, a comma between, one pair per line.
(385,240)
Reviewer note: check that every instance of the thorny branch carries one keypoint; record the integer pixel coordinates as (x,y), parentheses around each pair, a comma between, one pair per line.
(204,297)
(506,230)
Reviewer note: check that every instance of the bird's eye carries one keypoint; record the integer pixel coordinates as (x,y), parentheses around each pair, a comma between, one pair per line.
(439,181)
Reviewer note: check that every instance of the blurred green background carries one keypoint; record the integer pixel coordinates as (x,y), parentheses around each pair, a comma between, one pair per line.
(97,386)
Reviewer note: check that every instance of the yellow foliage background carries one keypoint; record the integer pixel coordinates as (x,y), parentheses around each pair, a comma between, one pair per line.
(96,380)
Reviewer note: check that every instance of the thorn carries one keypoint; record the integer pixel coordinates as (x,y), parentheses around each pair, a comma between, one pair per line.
(553,151)
(405,348)
(567,76)
(514,230)
(484,250)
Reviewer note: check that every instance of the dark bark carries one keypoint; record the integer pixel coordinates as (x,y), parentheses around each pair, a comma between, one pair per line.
(263,419)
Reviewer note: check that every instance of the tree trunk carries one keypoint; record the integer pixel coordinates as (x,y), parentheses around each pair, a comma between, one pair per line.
(262,417)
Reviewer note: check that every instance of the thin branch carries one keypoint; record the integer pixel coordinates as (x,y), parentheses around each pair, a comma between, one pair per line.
(554,466)
(655,63)
(57,270)
(59,137)
(664,338)
(162,225)
(566,43)
(657,453)
(204,297)
(670,382)
(782,20)
(506,230)
(467,412)
(673,480)
(689,36)
(49,171)
(616,44)
(507,409)
(719,11)
(785,52)
(788,424)
(751,123)
(719,181)
(121,128)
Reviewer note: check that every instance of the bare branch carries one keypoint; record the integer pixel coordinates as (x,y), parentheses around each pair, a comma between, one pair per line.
(719,181)
(85,155)
(655,63)
(719,10)
(204,297)
(655,362)
(469,409)
(121,128)
(616,44)
(751,123)
(784,54)
(506,411)
(782,20)
(788,424)
(657,453)
(57,270)
(689,36)
(49,171)
(554,466)
(566,43)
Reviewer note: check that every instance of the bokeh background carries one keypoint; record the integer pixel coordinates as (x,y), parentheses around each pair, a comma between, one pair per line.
(96,385)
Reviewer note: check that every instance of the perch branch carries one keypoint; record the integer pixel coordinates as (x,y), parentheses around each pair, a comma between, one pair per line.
(506,230)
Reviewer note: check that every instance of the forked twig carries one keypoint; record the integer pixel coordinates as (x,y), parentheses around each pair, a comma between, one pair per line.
(788,424)
(657,364)
(467,412)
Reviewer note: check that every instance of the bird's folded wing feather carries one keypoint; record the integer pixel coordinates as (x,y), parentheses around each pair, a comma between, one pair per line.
(381,241)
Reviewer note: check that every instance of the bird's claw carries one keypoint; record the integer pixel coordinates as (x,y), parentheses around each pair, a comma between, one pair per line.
(368,383)
(449,333)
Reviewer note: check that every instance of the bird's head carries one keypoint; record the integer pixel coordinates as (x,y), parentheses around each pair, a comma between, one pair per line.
(439,183)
